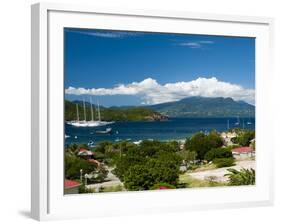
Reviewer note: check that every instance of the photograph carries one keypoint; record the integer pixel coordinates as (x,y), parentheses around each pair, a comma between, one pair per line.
(157,111)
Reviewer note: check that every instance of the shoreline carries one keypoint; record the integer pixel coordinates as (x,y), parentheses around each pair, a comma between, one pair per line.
(175,129)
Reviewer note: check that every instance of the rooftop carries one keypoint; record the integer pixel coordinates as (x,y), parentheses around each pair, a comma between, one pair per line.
(242,150)
(71,183)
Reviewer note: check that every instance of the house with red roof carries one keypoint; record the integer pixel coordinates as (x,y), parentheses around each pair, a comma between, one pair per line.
(243,152)
(71,186)
(85,154)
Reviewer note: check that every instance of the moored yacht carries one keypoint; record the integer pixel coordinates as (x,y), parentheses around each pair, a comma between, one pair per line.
(92,122)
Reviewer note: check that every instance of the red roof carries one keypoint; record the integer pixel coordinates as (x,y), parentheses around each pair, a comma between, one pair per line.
(71,183)
(85,152)
(242,150)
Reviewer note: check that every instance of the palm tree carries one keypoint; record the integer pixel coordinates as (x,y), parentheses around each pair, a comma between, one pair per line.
(242,177)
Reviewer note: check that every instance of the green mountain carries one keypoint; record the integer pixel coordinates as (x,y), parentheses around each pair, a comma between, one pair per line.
(205,107)
(111,114)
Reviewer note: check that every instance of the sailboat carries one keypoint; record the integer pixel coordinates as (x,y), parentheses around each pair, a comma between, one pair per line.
(238,122)
(92,122)
(99,122)
(79,123)
(249,121)
(227,125)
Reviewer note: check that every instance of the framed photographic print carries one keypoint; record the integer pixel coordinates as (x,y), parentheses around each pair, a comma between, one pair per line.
(148,111)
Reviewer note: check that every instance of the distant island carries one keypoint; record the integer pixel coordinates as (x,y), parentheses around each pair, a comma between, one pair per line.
(205,107)
(187,107)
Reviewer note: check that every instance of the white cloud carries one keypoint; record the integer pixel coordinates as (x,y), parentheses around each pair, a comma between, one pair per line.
(196,44)
(152,92)
(107,34)
(206,42)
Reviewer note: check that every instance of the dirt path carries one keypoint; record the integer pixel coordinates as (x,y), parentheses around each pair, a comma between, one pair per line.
(111,181)
(220,172)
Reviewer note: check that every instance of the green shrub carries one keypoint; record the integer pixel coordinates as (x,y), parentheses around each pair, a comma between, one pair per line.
(124,163)
(242,177)
(218,153)
(73,165)
(145,174)
(202,143)
(138,178)
(224,162)
(244,138)
(187,156)
(112,189)
(99,156)
(83,190)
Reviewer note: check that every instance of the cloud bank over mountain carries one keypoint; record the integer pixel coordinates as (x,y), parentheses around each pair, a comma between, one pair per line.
(151,92)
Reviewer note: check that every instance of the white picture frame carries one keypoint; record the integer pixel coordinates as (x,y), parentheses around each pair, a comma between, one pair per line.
(48,201)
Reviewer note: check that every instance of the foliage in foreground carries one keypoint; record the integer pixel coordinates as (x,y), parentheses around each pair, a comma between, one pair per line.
(191,182)
(83,190)
(160,186)
(242,177)
(163,168)
(218,153)
(73,165)
(224,162)
(244,137)
(147,164)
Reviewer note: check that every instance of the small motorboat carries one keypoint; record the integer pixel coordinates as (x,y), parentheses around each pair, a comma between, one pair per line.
(90,143)
(106,131)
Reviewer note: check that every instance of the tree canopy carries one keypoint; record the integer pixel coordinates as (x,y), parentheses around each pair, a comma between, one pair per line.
(202,143)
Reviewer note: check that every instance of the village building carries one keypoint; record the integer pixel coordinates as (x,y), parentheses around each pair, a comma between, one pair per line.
(243,153)
(85,154)
(71,186)
(227,136)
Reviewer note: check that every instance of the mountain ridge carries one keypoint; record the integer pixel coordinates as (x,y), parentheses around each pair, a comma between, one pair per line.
(198,106)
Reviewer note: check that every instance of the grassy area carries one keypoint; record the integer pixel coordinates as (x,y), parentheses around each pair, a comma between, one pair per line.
(112,189)
(193,182)
(204,167)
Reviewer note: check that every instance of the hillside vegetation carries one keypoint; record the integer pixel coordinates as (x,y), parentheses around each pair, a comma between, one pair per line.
(205,107)
(111,114)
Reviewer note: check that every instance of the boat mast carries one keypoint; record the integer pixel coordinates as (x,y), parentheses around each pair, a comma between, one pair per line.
(249,122)
(77,112)
(227,124)
(99,110)
(92,113)
(85,118)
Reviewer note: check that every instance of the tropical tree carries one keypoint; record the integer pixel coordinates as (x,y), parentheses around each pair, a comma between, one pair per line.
(224,162)
(73,165)
(187,156)
(244,138)
(202,143)
(218,153)
(150,171)
(242,177)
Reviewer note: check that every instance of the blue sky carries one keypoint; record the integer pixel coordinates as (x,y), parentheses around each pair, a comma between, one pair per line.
(132,68)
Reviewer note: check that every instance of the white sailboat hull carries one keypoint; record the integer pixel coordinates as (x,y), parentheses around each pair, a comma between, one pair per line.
(86,123)
(89,123)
